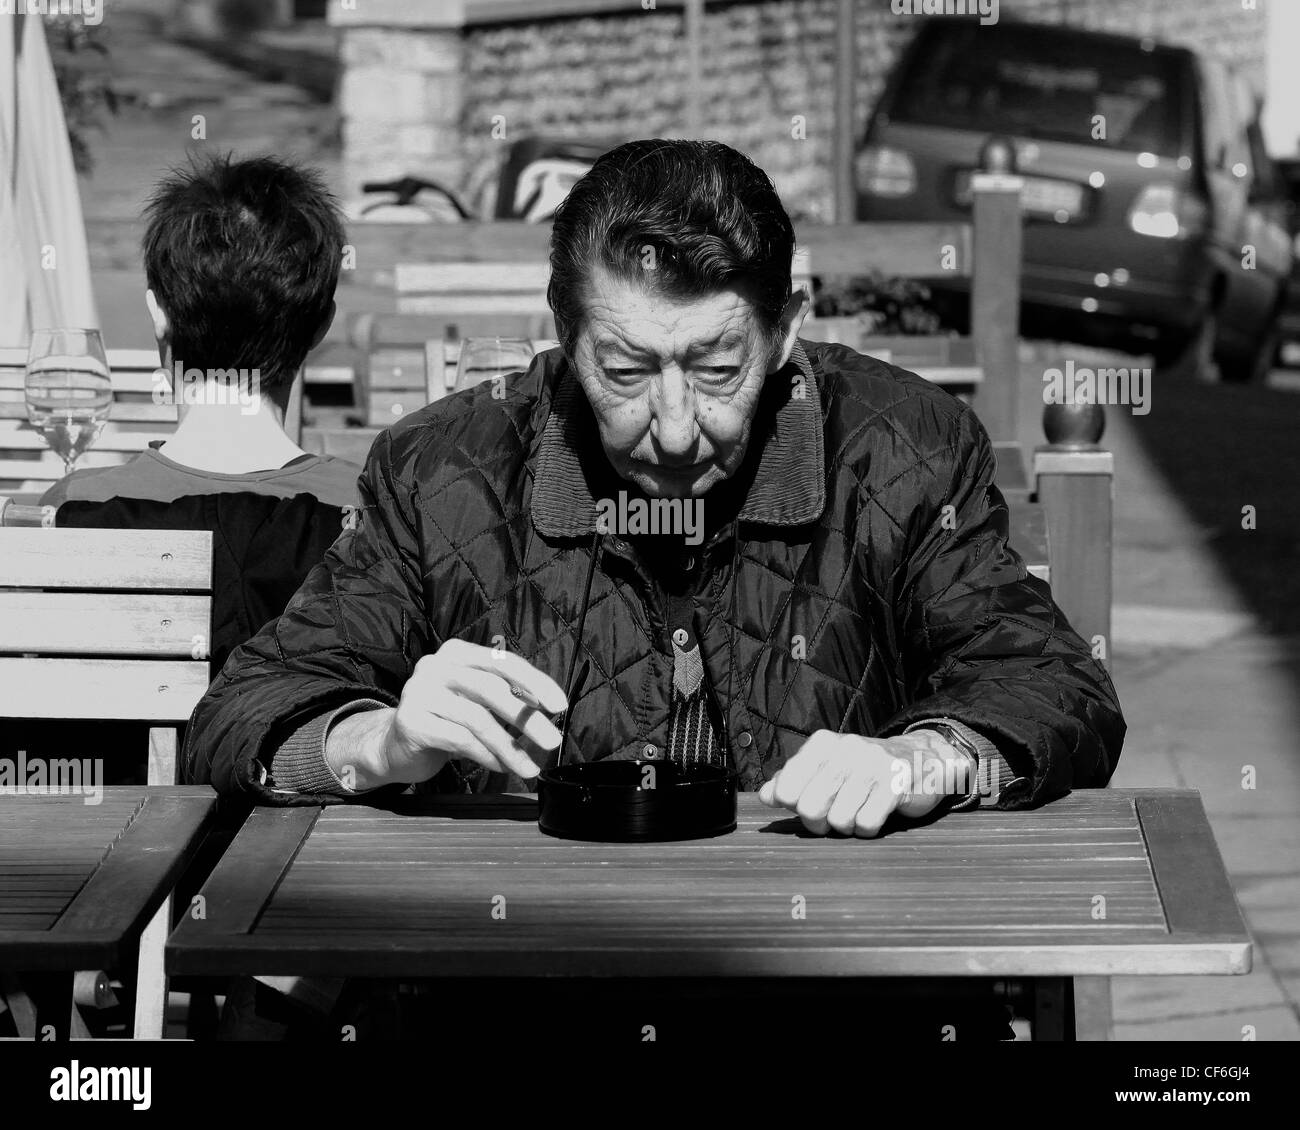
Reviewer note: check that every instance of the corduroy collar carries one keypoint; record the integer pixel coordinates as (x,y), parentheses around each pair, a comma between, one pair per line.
(788,486)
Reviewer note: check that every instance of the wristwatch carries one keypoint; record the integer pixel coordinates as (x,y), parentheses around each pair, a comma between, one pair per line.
(967,749)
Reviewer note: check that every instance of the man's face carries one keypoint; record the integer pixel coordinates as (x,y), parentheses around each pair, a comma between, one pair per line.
(674,385)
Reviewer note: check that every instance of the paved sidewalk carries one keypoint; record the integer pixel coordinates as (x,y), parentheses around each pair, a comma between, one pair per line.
(1207,691)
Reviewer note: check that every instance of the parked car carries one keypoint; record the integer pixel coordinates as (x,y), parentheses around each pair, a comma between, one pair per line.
(1155,221)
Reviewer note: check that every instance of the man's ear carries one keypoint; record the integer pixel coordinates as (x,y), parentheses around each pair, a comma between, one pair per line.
(326,322)
(162,329)
(797,308)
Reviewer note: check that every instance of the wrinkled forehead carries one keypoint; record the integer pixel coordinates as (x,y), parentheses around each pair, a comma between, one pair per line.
(625,316)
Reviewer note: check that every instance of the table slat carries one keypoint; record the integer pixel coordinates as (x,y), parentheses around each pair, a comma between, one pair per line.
(78,879)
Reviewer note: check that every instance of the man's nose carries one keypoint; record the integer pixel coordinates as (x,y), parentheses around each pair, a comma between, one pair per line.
(675,427)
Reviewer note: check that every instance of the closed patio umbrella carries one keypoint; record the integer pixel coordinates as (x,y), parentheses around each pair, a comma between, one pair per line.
(44,262)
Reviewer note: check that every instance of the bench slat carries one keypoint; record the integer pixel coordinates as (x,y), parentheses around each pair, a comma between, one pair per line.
(113,438)
(397,368)
(103,624)
(148,690)
(47,469)
(135,381)
(528,277)
(328,375)
(494,304)
(411,329)
(160,560)
(948,374)
(16,358)
(120,412)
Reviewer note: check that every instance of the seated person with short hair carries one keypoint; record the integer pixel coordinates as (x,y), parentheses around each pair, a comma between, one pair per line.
(242,259)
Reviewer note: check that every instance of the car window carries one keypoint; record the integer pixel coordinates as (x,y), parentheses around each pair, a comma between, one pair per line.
(1013,81)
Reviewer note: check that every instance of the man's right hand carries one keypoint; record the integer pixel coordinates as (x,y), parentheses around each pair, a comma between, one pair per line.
(458,702)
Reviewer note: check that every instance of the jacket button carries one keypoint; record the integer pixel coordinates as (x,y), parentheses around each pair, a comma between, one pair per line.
(680,637)
(745,740)
(650,751)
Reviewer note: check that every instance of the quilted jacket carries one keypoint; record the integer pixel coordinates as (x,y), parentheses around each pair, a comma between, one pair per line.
(854,576)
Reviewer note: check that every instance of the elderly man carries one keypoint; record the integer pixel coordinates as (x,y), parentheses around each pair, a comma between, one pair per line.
(832,609)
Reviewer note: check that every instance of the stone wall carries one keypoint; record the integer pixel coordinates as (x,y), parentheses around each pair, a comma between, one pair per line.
(426,99)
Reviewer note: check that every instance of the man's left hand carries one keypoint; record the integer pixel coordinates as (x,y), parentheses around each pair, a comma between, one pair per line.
(851,784)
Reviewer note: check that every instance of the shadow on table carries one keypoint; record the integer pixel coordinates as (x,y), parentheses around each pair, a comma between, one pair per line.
(503,806)
(793,826)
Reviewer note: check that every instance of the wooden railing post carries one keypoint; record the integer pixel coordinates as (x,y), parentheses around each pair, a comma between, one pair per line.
(1075,484)
(995,287)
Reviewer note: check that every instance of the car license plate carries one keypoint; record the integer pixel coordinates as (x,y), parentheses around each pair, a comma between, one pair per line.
(1041,196)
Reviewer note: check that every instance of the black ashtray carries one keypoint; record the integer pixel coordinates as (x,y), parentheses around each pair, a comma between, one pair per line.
(636,801)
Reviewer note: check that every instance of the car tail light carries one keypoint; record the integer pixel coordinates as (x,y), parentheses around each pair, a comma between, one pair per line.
(1166,212)
(882,171)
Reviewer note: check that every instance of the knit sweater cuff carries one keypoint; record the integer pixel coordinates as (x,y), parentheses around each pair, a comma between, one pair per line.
(300,765)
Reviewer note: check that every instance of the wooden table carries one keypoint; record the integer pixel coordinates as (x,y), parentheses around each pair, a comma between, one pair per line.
(79,882)
(1097,884)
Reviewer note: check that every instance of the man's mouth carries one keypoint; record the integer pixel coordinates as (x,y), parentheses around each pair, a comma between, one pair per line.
(678,471)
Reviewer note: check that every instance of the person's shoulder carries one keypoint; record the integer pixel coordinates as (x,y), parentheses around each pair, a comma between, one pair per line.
(333,479)
(493,423)
(864,397)
(93,484)
(879,385)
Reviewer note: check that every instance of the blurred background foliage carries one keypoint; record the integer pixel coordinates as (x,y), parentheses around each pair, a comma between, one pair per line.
(84,73)
(886,305)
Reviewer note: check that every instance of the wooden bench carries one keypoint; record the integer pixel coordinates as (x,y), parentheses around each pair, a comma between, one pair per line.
(401,379)
(109,625)
(434,296)
(106,624)
(946,361)
(984,255)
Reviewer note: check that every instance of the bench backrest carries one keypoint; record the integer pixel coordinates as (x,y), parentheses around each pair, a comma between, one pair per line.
(104,624)
(27,463)
(402,379)
(459,300)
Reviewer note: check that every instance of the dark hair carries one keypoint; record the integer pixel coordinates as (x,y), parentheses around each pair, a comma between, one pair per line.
(711,215)
(244,258)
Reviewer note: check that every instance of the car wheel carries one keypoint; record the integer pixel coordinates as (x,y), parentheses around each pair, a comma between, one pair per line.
(1252,366)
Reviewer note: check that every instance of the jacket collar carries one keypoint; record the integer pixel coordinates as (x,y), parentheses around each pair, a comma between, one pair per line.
(788,484)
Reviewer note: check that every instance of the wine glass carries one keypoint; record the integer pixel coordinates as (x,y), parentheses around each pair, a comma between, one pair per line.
(68,390)
(484,358)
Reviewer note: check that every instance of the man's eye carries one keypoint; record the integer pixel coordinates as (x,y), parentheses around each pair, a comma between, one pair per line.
(625,374)
(722,372)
